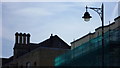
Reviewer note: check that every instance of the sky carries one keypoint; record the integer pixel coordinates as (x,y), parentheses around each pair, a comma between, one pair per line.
(41,19)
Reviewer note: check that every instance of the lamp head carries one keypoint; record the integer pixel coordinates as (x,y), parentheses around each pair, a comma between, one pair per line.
(86,16)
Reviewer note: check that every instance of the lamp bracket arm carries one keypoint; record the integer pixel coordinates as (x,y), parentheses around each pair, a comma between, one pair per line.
(98,10)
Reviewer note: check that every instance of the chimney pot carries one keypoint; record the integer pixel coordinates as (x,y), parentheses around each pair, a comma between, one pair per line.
(20,38)
(16,34)
(51,36)
(16,38)
(24,38)
(28,38)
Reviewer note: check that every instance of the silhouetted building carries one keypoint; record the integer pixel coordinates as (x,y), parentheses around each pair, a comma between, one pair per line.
(88,51)
(98,32)
(31,54)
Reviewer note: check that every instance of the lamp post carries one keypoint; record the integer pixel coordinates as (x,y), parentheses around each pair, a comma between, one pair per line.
(87,17)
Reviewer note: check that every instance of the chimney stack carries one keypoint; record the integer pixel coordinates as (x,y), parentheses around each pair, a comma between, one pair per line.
(22,38)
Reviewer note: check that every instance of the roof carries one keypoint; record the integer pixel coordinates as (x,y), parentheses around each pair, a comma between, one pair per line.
(117,18)
(55,42)
(52,42)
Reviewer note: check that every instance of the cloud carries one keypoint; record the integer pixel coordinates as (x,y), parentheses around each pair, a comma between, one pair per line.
(32,11)
(7,33)
(115,12)
(38,9)
(7,49)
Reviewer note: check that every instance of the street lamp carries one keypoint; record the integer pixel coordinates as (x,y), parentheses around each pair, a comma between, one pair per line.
(87,17)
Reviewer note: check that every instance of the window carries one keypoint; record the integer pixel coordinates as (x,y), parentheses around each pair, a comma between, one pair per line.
(35,63)
(28,65)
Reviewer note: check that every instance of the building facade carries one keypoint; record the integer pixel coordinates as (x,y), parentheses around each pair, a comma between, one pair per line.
(88,50)
(28,54)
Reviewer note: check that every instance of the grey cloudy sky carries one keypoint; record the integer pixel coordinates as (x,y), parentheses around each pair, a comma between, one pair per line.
(40,19)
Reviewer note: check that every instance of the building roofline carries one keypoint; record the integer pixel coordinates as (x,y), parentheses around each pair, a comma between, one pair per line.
(83,37)
(116,18)
(54,37)
(93,32)
(96,30)
(105,26)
